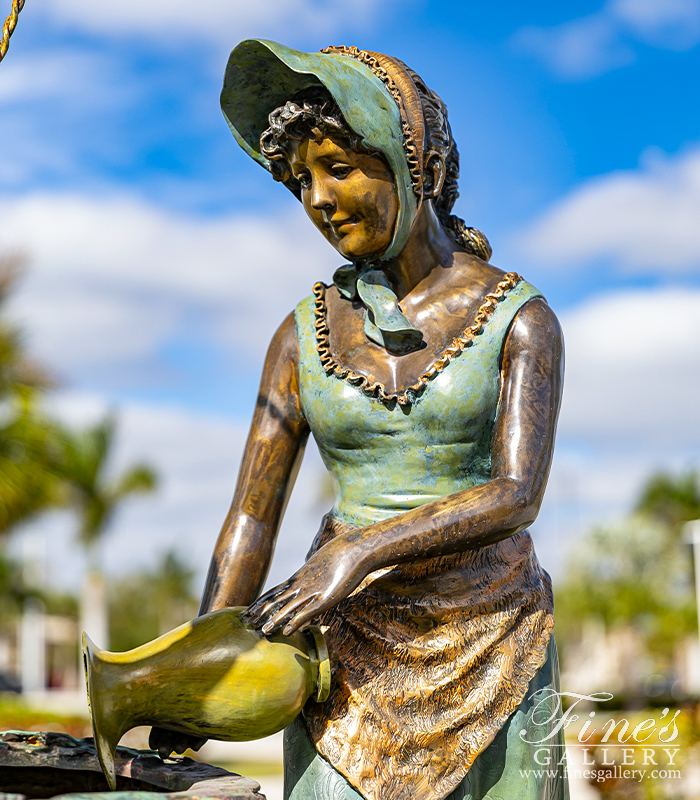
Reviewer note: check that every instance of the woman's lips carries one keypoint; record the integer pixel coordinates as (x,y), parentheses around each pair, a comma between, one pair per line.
(341,226)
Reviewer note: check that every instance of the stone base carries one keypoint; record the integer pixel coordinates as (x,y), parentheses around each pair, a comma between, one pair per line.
(50,765)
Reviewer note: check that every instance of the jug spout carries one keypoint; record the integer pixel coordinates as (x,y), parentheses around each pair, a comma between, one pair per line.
(106,722)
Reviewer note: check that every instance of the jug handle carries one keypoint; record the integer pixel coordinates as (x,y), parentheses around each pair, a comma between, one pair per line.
(323,685)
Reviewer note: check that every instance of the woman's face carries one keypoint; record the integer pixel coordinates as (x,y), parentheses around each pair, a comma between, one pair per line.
(350,196)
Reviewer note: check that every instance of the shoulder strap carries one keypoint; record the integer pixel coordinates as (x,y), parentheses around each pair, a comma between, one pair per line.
(306,335)
(495,329)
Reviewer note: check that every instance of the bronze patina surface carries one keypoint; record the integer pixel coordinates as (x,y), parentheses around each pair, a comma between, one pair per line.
(368,382)
(430,689)
(431,381)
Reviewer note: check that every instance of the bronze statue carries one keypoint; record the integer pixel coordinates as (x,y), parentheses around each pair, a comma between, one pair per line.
(431,382)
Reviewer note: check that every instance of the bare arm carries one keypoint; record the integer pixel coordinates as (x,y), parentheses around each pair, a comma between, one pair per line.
(522,447)
(271,459)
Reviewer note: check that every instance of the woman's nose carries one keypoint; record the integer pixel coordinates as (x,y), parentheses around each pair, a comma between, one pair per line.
(321,197)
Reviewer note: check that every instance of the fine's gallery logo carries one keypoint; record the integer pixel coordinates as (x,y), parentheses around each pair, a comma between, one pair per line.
(547,716)
(600,748)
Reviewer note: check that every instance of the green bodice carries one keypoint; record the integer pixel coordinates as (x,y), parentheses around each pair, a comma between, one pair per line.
(385,458)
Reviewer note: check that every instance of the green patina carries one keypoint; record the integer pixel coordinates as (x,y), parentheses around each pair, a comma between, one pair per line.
(385,458)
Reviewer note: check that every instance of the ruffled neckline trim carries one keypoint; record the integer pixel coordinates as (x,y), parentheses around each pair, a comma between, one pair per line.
(407,396)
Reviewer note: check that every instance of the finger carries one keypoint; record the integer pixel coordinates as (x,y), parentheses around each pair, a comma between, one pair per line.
(153,738)
(161,740)
(180,745)
(311,610)
(273,605)
(164,750)
(272,593)
(270,597)
(257,619)
(283,615)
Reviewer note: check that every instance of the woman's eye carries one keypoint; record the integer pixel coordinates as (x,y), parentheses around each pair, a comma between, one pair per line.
(304,179)
(341,170)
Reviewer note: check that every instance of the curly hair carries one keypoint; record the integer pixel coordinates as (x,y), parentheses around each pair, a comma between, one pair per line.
(314,113)
(311,113)
(439,138)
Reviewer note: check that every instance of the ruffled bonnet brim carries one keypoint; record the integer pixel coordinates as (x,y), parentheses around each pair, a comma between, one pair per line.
(262,75)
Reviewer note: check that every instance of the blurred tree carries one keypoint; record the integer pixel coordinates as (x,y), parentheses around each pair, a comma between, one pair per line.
(11,588)
(29,448)
(39,459)
(44,464)
(96,497)
(671,499)
(143,606)
(174,601)
(638,572)
(14,591)
(29,452)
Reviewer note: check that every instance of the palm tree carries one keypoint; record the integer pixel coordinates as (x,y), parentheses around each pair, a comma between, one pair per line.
(29,451)
(45,465)
(96,497)
(29,448)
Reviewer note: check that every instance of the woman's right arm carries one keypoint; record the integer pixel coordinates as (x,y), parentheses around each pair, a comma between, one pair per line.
(271,460)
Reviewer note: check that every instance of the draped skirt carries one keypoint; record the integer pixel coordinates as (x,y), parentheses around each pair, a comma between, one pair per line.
(512,767)
(434,664)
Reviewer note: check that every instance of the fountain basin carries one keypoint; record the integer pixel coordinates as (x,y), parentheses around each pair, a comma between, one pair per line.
(36,765)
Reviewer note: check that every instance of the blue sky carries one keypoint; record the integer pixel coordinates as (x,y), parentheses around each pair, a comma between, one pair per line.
(160,259)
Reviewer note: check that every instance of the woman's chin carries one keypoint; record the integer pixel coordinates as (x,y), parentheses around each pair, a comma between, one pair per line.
(358,251)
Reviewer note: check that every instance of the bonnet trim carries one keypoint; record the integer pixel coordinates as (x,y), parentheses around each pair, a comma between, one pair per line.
(402,88)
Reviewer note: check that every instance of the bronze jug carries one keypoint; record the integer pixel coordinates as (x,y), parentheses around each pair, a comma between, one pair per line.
(212,677)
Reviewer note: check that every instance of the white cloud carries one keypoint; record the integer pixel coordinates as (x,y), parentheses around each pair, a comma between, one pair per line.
(633,372)
(65,74)
(580,49)
(644,220)
(589,46)
(630,409)
(589,488)
(114,278)
(48,103)
(666,23)
(222,20)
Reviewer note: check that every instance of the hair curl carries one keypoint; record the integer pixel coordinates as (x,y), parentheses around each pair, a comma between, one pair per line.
(311,113)
(314,113)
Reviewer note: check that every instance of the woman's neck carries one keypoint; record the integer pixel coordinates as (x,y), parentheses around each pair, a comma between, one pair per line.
(428,247)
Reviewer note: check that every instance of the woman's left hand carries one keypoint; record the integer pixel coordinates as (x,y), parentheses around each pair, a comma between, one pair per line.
(331,574)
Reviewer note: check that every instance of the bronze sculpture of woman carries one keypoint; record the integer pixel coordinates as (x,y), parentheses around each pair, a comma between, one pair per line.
(431,382)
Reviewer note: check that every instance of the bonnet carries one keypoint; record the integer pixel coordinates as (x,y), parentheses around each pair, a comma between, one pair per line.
(380,102)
